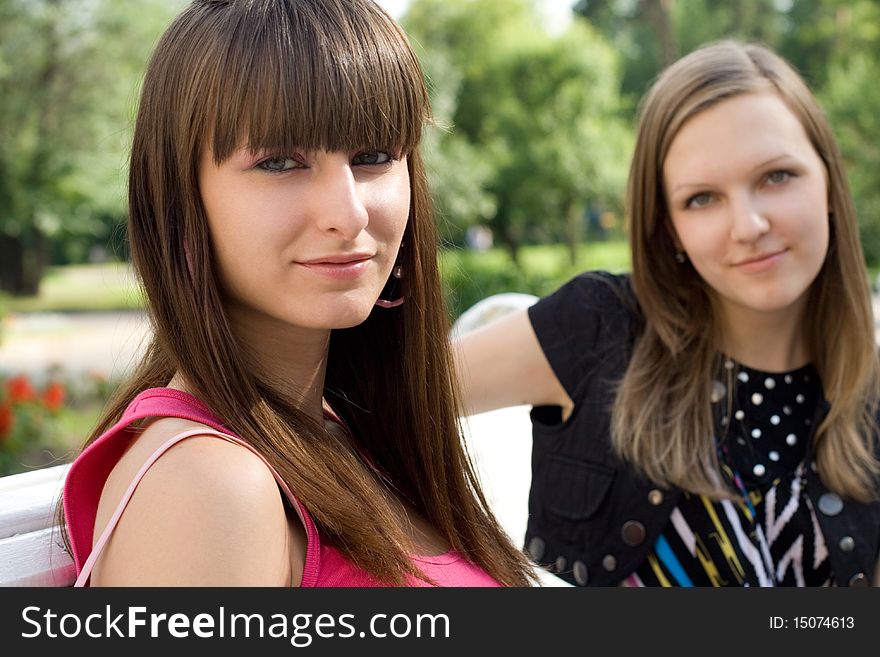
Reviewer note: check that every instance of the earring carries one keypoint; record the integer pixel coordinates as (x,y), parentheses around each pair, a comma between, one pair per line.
(391,285)
(680,257)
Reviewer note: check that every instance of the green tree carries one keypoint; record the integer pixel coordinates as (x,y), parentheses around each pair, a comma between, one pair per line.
(558,140)
(651,34)
(458,172)
(68,78)
(457,41)
(851,98)
(534,118)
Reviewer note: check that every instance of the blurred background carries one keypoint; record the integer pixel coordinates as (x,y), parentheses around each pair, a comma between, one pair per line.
(535,103)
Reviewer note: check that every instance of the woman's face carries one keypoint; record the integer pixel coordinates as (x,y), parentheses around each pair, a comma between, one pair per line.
(748,198)
(307,238)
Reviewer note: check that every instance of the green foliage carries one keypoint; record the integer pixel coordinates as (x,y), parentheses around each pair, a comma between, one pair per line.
(456,41)
(851,98)
(650,34)
(559,143)
(470,276)
(458,172)
(68,79)
(535,130)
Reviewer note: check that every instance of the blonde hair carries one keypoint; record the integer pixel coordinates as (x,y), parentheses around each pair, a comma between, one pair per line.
(662,418)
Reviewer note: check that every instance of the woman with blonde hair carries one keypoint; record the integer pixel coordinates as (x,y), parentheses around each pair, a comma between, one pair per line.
(294,419)
(710,419)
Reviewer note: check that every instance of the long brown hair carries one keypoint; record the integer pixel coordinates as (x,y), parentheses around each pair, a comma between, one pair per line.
(662,414)
(306,74)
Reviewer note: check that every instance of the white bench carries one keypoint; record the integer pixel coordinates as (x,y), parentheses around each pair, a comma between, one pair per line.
(500,442)
(32,552)
(31,549)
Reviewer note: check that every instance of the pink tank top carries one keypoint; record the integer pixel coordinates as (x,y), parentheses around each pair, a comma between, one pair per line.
(324,564)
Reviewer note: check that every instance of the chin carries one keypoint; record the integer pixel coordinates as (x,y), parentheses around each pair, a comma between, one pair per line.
(774,302)
(349,316)
(337,311)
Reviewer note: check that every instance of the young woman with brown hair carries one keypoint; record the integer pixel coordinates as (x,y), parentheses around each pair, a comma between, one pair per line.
(710,419)
(294,419)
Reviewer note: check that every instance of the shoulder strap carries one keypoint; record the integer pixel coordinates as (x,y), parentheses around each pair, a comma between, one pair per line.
(310,570)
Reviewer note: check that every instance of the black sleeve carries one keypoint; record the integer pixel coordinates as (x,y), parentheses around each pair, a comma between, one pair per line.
(579,322)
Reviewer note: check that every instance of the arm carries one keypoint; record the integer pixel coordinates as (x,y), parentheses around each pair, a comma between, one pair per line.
(502,364)
(207,513)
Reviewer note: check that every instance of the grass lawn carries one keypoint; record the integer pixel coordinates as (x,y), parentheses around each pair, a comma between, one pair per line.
(548,259)
(81,288)
(75,424)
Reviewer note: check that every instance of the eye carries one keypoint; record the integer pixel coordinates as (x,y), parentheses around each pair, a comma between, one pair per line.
(372,158)
(699,200)
(278,164)
(779,177)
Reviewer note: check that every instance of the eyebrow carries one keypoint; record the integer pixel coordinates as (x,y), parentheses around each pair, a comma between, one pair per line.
(776,158)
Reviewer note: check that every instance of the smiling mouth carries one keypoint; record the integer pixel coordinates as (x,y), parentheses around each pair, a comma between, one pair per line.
(760,258)
(338,259)
(339,267)
(761,262)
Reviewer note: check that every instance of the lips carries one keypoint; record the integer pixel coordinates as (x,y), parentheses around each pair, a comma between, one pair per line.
(761,262)
(338,259)
(339,266)
(759,258)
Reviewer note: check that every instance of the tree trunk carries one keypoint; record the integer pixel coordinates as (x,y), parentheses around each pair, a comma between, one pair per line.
(511,243)
(22,263)
(658,14)
(574,232)
(11,270)
(34,263)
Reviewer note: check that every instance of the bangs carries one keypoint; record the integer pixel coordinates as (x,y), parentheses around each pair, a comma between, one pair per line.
(314,75)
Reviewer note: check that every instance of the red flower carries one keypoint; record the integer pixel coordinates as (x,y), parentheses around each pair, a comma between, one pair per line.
(7,419)
(53,396)
(20,389)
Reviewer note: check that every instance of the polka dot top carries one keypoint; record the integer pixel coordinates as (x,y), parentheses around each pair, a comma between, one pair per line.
(762,431)
(769,537)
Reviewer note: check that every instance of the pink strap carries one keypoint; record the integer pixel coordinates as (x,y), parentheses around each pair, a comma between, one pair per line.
(311,550)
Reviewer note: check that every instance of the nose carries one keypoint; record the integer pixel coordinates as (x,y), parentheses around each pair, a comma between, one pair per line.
(339,203)
(747,220)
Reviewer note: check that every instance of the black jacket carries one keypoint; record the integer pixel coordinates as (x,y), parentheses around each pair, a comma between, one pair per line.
(592,519)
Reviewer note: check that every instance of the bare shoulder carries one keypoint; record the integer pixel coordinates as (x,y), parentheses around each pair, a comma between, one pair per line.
(207,512)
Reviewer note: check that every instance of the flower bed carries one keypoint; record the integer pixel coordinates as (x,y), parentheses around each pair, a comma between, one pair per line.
(43,420)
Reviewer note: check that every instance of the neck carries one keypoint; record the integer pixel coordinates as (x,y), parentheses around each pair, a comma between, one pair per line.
(291,360)
(767,341)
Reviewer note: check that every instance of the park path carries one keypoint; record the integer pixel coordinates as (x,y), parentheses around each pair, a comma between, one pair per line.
(105,343)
